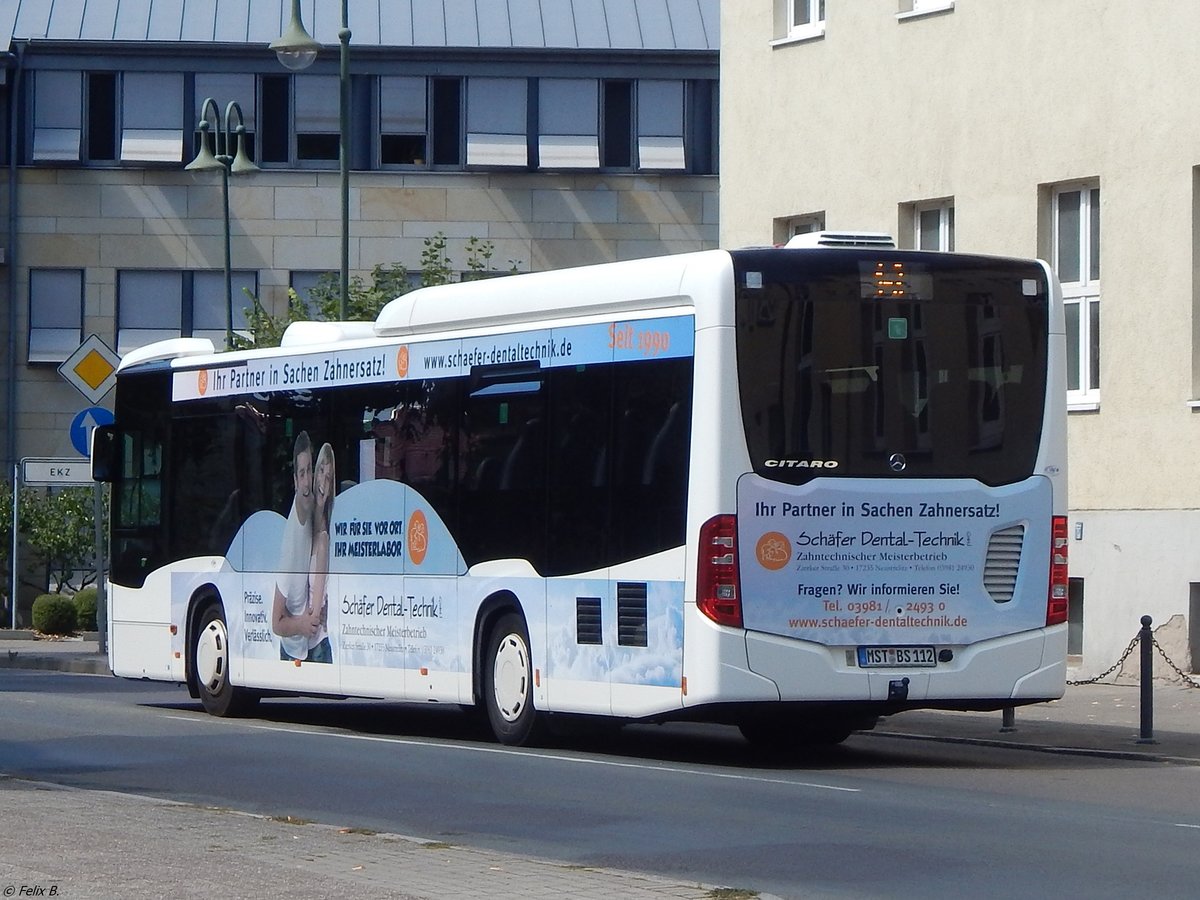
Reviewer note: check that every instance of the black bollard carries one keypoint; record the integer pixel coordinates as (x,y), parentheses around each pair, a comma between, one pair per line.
(1147,676)
(1008,720)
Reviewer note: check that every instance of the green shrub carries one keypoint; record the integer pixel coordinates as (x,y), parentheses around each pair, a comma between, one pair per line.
(85,609)
(53,614)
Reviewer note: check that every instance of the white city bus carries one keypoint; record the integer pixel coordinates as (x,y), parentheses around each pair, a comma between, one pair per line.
(792,489)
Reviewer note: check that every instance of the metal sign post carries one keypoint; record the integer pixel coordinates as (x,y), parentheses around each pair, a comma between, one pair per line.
(12,596)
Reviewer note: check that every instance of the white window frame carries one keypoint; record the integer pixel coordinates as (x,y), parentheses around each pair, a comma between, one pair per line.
(1081,289)
(790,226)
(797,21)
(944,209)
(805,19)
(911,9)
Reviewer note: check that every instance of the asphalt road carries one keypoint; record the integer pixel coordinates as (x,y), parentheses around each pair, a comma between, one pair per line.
(876,817)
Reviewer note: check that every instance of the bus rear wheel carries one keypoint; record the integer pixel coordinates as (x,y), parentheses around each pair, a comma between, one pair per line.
(210,668)
(508,683)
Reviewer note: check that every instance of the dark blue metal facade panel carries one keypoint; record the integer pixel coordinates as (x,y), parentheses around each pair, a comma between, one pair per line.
(551,24)
(99,20)
(462,26)
(624,32)
(591,24)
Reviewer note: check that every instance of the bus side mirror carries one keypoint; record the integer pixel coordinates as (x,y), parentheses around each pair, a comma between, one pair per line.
(104,453)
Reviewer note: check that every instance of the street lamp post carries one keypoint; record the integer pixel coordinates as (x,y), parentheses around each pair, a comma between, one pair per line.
(218,157)
(296,50)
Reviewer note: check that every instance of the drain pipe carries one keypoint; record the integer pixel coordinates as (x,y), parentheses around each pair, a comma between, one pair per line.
(10,365)
(15,117)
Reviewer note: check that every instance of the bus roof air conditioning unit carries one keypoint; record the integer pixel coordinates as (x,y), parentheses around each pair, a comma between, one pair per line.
(842,239)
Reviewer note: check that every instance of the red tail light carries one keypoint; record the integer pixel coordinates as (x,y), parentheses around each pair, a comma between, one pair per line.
(718,591)
(1057,600)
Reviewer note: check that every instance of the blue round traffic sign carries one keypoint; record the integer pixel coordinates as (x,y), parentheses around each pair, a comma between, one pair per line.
(84,422)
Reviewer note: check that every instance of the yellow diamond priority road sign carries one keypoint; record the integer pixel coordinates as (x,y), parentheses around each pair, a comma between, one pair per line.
(92,368)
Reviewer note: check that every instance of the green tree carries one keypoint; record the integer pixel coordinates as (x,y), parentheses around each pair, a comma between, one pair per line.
(366,299)
(58,529)
(57,535)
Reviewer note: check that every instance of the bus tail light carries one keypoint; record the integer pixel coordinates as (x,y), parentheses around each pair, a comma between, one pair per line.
(718,588)
(1057,601)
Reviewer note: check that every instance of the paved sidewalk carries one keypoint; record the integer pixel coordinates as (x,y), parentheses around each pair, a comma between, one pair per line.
(84,844)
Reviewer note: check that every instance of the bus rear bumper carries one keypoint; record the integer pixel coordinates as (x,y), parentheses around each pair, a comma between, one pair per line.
(1024,667)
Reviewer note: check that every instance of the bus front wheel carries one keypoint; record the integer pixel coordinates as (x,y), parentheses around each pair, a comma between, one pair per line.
(210,665)
(508,682)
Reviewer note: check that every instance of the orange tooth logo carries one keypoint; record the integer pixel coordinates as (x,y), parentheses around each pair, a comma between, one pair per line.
(418,537)
(773,551)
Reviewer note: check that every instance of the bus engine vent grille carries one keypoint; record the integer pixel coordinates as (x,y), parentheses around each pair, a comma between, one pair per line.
(631,614)
(1003,562)
(587,621)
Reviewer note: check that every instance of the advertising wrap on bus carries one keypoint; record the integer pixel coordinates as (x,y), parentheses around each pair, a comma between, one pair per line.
(392,598)
(874,561)
(612,342)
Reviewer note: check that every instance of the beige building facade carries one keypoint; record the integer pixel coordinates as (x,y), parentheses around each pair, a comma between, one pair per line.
(1059,130)
(112,225)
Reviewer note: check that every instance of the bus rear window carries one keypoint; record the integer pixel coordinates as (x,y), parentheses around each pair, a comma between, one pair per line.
(893,364)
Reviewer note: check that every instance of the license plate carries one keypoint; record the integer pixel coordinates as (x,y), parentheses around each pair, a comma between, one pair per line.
(885,657)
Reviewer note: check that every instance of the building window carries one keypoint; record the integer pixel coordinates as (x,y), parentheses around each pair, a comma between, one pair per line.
(209,314)
(804,19)
(101,125)
(403,122)
(616,118)
(913,8)
(55,314)
(318,118)
(226,88)
(156,305)
(497,122)
(1075,215)
(447,121)
(568,123)
(304,282)
(151,114)
(791,226)
(57,116)
(933,225)
(660,125)
(275,114)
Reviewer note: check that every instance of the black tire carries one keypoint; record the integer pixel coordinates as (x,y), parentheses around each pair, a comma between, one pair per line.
(210,668)
(508,683)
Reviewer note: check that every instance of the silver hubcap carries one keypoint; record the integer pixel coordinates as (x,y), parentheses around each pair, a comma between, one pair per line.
(212,655)
(510,677)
